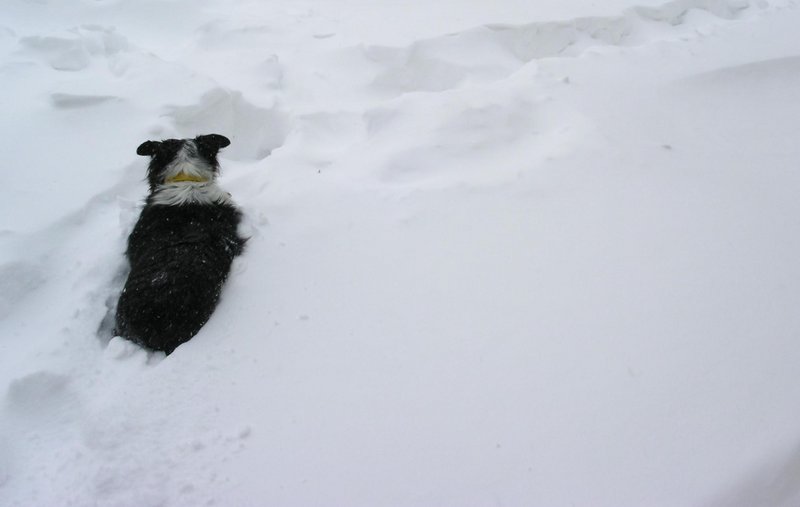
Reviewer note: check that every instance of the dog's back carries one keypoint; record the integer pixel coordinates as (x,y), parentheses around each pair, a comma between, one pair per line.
(180,253)
(180,257)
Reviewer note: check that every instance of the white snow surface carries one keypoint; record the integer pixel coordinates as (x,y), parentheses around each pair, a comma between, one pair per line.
(512,253)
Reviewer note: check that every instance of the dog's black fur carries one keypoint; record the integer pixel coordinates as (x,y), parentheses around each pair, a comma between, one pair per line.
(182,246)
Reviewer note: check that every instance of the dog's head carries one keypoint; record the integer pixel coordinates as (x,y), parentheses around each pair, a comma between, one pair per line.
(182,160)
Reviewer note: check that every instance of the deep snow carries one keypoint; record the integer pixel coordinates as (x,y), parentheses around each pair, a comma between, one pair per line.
(502,253)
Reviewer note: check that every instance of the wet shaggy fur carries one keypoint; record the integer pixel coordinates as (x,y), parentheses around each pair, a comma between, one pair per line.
(182,246)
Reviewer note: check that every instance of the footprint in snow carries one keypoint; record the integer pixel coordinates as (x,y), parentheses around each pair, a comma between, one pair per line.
(73,50)
(41,395)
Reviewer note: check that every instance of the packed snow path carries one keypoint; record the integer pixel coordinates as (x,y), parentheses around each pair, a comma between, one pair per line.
(520,253)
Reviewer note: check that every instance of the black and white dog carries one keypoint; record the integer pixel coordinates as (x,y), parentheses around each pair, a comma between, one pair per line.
(182,246)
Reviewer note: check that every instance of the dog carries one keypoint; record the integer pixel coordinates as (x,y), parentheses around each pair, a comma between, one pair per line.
(181,249)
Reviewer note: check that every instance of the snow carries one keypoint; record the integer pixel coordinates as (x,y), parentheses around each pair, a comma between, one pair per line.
(502,253)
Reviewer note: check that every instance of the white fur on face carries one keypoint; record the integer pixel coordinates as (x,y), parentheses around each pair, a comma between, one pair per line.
(188,161)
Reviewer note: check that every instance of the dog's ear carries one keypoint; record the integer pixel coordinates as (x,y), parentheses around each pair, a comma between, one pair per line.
(214,142)
(147,148)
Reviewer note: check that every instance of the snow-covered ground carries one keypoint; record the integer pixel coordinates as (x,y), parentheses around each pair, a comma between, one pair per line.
(519,253)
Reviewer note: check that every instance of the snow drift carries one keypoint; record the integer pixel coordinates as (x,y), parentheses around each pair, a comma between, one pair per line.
(520,253)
